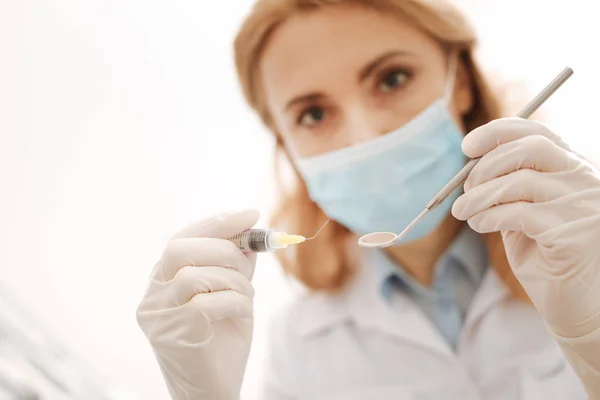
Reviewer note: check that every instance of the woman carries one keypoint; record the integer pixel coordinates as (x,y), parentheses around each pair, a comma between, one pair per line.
(369,102)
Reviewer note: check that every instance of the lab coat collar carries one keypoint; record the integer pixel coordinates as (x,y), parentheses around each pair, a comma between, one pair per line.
(470,251)
(491,292)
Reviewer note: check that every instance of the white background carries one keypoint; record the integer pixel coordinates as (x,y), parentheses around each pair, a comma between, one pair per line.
(121,121)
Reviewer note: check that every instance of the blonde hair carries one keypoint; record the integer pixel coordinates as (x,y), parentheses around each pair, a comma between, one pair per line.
(323,264)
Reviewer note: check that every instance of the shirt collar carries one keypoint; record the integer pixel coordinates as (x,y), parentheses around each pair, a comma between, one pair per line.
(468,249)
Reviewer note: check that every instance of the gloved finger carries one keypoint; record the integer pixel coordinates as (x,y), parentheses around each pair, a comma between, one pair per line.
(487,137)
(519,216)
(251,257)
(223,226)
(201,252)
(222,305)
(190,324)
(522,185)
(191,281)
(538,221)
(530,152)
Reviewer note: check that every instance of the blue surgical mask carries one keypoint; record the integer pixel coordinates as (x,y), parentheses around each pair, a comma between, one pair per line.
(383,184)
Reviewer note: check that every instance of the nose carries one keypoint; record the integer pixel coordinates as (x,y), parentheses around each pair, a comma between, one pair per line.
(364,124)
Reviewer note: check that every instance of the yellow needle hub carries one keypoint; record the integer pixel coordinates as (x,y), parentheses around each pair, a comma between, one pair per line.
(290,239)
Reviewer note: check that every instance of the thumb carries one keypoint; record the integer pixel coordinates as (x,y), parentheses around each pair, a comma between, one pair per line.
(221,226)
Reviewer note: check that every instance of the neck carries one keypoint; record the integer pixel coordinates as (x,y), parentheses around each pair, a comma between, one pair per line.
(419,257)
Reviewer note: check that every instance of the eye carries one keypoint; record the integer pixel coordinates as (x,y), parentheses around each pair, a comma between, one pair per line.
(311,116)
(392,80)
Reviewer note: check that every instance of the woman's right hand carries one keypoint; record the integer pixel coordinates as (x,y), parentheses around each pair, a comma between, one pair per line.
(197,312)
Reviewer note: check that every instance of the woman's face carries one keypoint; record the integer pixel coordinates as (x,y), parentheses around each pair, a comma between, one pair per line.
(347,74)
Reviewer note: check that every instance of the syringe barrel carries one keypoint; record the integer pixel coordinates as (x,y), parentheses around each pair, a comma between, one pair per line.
(256,240)
(252,240)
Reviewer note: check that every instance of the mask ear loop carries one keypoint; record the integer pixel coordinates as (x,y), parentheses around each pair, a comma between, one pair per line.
(451,78)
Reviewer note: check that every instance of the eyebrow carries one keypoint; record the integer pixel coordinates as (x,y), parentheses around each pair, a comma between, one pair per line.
(364,74)
(307,98)
(372,66)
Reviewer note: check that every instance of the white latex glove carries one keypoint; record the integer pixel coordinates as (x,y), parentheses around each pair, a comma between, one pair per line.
(545,200)
(197,312)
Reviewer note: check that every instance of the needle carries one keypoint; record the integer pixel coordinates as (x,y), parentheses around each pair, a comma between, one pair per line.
(319,231)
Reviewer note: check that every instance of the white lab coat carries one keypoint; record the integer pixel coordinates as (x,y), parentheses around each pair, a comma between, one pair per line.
(354,346)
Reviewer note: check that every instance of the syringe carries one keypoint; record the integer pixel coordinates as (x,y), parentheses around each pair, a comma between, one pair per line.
(261,240)
(264,240)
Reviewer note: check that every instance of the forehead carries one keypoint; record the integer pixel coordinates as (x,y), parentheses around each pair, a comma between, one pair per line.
(308,48)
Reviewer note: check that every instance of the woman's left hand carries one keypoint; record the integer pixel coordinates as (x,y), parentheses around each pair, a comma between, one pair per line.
(545,199)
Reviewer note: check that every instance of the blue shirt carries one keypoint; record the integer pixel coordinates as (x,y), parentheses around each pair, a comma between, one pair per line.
(457,276)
